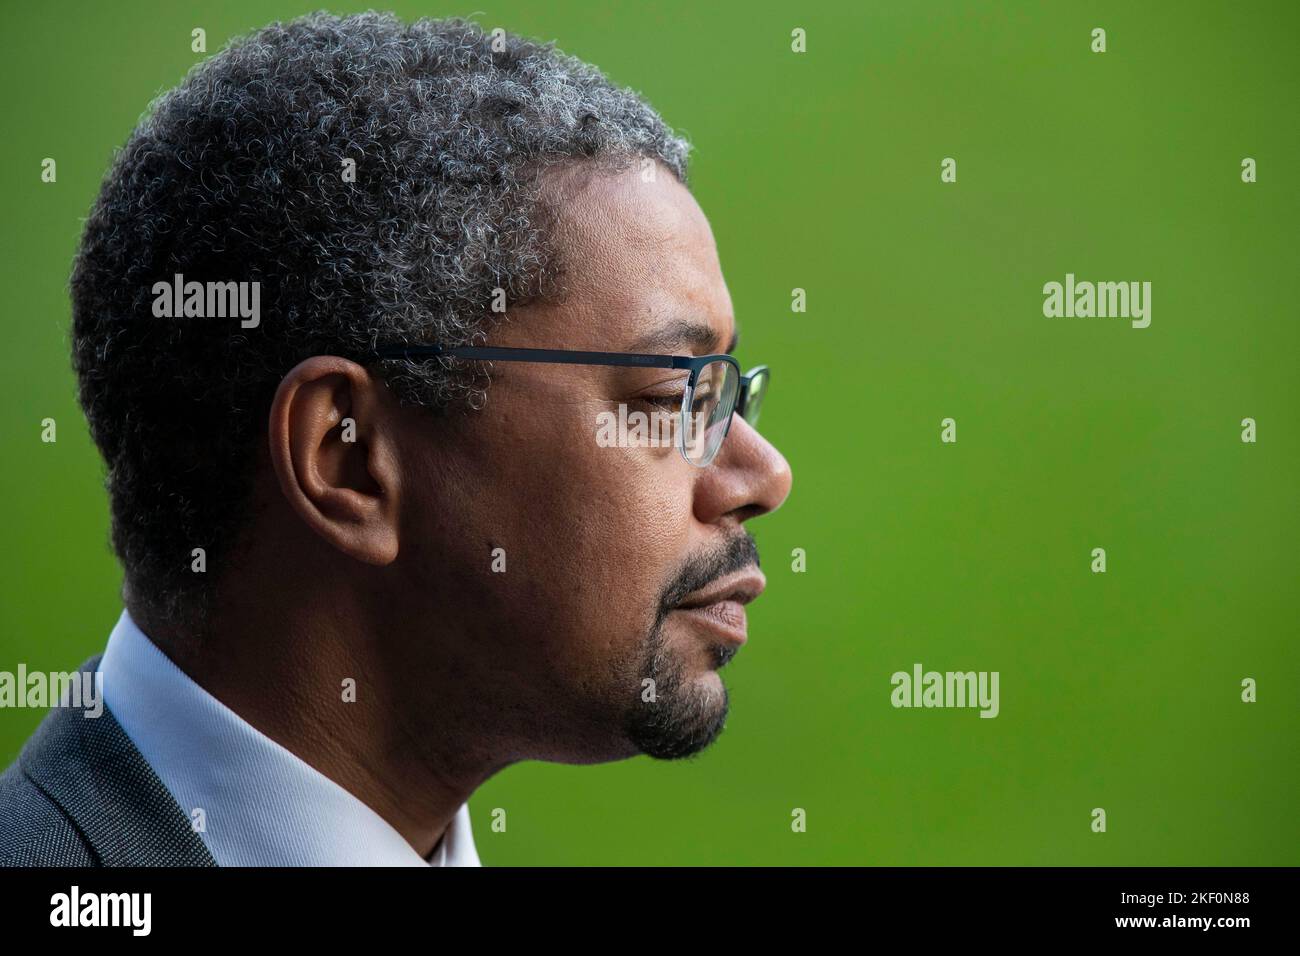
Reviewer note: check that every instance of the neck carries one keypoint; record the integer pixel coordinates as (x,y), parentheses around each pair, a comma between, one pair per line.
(319,680)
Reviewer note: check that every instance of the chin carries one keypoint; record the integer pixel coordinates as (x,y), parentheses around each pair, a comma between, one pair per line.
(685,723)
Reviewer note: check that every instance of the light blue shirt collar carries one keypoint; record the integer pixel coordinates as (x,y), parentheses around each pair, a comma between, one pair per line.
(261,805)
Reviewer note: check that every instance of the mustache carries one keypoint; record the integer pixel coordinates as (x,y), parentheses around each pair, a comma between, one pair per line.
(700,570)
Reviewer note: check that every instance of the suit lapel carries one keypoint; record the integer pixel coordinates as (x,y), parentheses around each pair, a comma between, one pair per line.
(90,768)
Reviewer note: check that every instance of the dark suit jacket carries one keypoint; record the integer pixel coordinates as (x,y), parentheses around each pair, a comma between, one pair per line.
(80,794)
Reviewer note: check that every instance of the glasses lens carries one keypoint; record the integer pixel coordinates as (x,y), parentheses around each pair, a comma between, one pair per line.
(712,402)
(758,380)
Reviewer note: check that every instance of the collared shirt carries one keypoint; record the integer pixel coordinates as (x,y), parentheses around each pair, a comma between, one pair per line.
(261,805)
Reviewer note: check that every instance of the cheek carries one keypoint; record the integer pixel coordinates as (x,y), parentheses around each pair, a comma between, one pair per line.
(612,526)
(593,535)
(590,537)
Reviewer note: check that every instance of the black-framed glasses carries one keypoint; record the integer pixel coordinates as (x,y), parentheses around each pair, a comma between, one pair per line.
(715,387)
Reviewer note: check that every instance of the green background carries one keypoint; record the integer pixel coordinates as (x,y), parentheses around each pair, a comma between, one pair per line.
(821,171)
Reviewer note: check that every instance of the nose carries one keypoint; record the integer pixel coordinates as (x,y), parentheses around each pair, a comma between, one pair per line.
(748,478)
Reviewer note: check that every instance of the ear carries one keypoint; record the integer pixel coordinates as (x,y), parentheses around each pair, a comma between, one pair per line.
(334,451)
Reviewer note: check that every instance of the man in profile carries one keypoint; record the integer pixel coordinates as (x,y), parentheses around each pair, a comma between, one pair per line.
(358,581)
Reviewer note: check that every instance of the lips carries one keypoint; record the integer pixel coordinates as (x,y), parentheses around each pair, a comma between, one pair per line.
(721,605)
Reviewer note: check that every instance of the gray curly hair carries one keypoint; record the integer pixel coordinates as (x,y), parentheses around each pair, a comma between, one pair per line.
(237,174)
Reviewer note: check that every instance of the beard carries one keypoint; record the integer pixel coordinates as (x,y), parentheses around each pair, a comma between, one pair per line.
(676,716)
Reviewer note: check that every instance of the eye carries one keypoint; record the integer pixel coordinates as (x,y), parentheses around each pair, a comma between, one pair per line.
(665,394)
(669,402)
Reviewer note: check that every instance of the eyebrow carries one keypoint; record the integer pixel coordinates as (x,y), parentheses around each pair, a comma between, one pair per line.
(681,333)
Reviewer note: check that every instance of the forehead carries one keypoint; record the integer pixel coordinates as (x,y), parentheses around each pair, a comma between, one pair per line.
(637,255)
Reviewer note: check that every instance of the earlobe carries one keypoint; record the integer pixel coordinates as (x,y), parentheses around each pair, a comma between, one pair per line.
(330,446)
